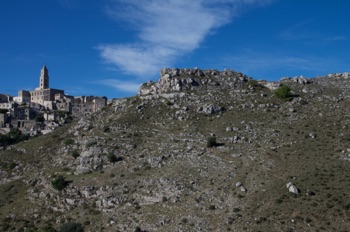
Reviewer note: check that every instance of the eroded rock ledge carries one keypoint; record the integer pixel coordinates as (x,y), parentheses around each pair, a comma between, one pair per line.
(175,80)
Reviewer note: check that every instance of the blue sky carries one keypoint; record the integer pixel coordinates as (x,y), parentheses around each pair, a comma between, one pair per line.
(109,47)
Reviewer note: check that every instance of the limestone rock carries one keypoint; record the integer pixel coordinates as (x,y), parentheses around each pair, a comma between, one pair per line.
(313,135)
(175,80)
(210,109)
(301,80)
(292,188)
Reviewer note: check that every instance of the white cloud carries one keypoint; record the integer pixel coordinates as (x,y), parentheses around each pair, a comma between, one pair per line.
(124,86)
(166,30)
(138,60)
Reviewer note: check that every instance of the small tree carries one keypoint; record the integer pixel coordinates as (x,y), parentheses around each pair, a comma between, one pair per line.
(68,141)
(48,228)
(113,158)
(284,92)
(211,141)
(59,183)
(75,154)
(39,118)
(71,227)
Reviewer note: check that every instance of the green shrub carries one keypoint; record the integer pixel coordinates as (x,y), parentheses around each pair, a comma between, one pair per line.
(69,119)
(169,103)
(283,92)
(39,118)
(113,158)
(14,136)
(137,229)
(11,165)
(48,228)
(91,144)
(211,141)
(75,154)
(8,165)
(59,183)
(69,141)
(71,227)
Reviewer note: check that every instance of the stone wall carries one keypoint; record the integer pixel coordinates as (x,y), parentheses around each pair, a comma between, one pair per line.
(3,120)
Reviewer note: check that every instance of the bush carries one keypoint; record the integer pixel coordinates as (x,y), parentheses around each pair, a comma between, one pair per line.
(112,158)
(71,227)
(69,119)
(137,229)
(91,144)
(211,141)
(283,92)
(11,165)
(14,136)
(39,118)
(69,141)
(48,228)
(75,154)
(59,183)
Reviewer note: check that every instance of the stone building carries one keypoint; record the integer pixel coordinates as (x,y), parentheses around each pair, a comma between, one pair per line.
(23,97)
(43,92)
(22,109)
(3,119)
(8,105)
(87,104)
(3,98)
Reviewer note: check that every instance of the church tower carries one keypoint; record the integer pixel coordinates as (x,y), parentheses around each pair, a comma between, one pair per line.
(44,78)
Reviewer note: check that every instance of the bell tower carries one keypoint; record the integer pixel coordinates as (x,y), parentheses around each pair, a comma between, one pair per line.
(44,78)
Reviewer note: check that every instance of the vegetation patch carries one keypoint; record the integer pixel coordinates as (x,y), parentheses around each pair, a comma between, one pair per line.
(211,142)
(284,92)
(69,141)
(14,136)
(59,183)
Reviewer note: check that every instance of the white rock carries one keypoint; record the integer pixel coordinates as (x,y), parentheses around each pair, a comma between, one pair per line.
(292,188)
(313,135)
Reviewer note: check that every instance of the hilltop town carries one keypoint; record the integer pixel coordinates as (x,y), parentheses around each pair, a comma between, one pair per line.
(44,108)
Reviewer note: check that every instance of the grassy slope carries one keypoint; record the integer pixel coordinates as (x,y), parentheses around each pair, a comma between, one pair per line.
(207,198)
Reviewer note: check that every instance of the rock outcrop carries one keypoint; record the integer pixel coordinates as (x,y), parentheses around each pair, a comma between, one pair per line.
(175,80)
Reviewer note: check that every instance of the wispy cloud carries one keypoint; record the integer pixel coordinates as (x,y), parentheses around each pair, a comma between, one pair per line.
(166,30)
(305,31)
(124,86)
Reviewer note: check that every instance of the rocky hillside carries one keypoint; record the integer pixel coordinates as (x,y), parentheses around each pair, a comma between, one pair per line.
(199,150)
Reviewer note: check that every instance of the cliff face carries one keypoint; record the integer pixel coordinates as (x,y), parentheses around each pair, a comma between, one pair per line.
(198,150)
